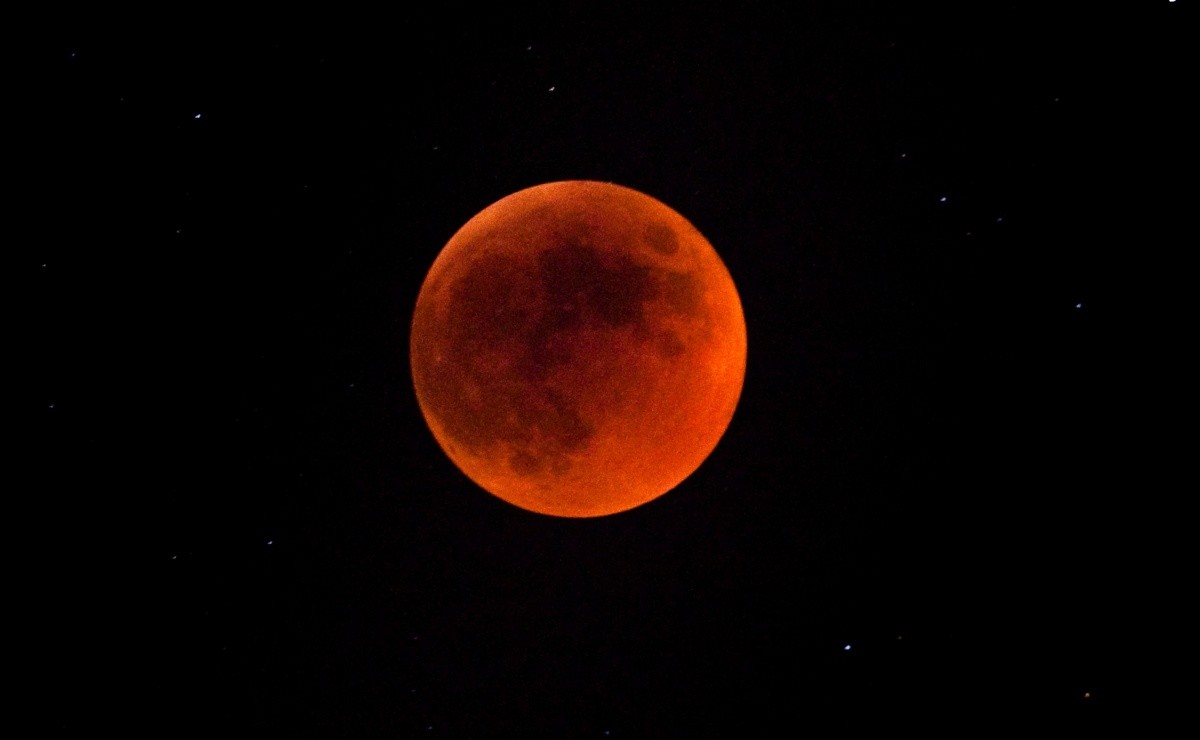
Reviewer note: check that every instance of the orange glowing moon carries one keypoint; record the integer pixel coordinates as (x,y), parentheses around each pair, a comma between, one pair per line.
(578,348)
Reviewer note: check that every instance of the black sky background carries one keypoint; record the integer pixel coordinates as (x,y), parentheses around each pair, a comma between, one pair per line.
(945,453)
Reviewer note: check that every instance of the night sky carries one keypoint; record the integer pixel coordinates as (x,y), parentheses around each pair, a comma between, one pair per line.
(940,507)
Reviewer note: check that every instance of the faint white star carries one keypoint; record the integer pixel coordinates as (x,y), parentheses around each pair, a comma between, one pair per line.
(1078,305)
(552,88)
(942,199)
(197,116)
(846,647)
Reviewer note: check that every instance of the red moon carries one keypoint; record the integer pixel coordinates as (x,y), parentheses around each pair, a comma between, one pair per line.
(578,348)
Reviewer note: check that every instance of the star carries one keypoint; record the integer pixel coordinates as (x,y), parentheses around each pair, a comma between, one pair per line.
(846,647)
(197,116)
(942,199)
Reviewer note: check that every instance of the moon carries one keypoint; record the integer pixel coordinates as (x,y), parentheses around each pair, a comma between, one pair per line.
(578,348)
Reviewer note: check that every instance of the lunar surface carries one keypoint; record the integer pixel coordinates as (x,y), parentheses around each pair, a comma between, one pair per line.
(578,349)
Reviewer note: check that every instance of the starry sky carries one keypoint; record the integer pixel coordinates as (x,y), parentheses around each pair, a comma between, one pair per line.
(940,506)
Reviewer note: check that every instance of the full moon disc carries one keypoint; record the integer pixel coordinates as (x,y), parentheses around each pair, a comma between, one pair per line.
(578,348)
